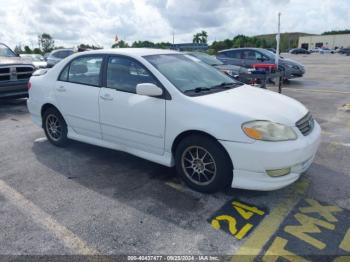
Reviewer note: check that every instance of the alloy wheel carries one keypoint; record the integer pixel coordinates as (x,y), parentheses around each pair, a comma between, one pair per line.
(198,165)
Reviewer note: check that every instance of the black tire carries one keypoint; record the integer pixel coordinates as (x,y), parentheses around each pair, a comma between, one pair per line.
(223,165)
(60,137)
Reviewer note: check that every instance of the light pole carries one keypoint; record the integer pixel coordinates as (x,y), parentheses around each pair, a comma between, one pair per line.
(277,56)
(278,37)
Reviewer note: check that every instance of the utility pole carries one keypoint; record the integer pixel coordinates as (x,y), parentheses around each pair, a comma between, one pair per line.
(277,56)
(278,38)
(173,37)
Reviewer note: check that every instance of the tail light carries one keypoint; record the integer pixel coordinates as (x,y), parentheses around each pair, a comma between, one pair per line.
(29,86)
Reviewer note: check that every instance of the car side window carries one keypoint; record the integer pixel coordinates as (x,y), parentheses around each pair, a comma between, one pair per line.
(58,54)
(249,55)
(233,54)
(85,70)
(64,74)
(124,74)
(236,54)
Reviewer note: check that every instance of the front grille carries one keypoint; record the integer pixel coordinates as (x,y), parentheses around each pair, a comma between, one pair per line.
(306,124)
(14,73)
(5,70)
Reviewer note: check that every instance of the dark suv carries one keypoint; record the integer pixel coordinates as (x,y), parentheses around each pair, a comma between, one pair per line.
(14,74)
(247,57)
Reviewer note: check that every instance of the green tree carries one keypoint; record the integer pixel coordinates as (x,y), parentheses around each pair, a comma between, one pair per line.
(46,42)
(196,38)
(37,51)
(27,50)
(147,44)
(83,47)
(201,37)
(337,32)
(120,44)
(204,37)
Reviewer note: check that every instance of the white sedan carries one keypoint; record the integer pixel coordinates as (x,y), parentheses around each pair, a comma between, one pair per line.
(172,109)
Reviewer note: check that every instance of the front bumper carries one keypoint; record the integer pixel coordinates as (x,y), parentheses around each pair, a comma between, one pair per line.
(251,161)
(13,89)
(291,73)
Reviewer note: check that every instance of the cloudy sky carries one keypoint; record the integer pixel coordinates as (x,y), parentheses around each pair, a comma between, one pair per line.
(72,22)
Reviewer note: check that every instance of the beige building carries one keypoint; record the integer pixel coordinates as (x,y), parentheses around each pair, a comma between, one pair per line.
(330,41)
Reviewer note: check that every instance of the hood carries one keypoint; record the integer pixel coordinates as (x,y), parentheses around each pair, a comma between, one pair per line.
(252,103)
(14,61)
(290,61)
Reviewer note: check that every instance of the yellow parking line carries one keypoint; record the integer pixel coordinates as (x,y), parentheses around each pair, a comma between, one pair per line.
(43,219)
(318,90)
(253,245)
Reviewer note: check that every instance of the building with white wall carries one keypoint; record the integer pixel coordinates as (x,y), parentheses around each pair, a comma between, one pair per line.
(330,41)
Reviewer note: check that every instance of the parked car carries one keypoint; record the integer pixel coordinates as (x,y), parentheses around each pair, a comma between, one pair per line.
(325,50)
(299,51)
(247,57)
(37,60)
(344,51)
(315,50)
(273,50)
(57,55)
(165,107)
(14,74)
(231,70)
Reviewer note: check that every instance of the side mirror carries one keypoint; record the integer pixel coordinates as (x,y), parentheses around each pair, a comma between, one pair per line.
(148,89)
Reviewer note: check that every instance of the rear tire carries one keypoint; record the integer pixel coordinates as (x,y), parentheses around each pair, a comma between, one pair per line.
(55,127)
(203,164)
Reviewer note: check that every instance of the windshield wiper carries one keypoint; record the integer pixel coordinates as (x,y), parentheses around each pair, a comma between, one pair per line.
(227,85)
(197,90)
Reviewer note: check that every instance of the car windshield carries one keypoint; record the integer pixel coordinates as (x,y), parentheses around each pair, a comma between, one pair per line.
(210,60)
(268,53)
(189,74)
(5,51)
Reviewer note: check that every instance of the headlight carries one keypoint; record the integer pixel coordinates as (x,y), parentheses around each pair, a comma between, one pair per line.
(268,131)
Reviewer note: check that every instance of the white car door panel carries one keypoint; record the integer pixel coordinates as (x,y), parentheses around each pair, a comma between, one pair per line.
(126,118)
(77,96)
(133,120)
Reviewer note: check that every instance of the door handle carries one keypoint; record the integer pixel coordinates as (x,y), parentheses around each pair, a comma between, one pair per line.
(106,97)
(61,89)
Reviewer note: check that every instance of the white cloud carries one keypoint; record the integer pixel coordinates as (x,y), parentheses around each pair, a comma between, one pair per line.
(72,22)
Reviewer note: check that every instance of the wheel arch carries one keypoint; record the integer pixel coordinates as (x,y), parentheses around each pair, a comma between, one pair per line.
(187,133)
(44,108)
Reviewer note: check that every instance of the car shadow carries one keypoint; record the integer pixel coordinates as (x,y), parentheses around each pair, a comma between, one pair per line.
(126,178)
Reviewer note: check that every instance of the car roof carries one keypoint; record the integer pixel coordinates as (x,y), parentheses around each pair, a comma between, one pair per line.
(242,48)
(62,49)
(132,51)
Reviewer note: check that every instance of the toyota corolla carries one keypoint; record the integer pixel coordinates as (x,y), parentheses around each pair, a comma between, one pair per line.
(172,109)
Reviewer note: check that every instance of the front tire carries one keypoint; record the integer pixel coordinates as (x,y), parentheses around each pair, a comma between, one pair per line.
(55,127)
(203,164)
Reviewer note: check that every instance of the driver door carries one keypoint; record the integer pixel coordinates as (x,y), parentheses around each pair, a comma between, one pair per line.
(128,119)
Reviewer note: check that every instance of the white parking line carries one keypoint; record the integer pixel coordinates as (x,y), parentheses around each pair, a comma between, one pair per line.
(43,219)
(317,90)
(40,139)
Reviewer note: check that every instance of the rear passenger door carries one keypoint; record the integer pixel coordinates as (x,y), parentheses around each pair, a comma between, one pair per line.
(77,92)
(249,58)
(231,57)
(129,119)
